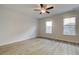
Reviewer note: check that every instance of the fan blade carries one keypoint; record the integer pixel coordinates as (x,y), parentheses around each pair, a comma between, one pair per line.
(50,8)
(37,10)
(45,6)
(47,12)
(40,12)
(41,5)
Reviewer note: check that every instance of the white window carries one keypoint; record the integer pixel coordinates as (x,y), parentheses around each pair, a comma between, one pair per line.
(48,27)
(70,26)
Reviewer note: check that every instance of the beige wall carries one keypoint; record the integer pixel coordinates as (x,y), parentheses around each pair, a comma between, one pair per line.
(58,27)
(15,26)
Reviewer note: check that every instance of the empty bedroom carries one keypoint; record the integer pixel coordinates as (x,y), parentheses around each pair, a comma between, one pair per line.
(39,29)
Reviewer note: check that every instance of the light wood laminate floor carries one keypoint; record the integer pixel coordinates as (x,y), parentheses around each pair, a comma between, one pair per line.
(39,46)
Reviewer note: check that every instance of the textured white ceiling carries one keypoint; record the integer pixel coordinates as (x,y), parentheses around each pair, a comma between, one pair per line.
(28,9)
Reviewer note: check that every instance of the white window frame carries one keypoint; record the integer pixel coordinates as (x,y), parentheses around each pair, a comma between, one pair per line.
(72,25)
(48,27)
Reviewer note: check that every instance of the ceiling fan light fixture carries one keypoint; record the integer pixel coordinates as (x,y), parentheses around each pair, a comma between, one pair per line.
(43,11)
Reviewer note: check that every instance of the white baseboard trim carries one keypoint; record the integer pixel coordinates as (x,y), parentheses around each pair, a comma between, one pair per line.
(18,40)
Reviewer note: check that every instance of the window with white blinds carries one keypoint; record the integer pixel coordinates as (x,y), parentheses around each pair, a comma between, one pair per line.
(48,26)
(70,26)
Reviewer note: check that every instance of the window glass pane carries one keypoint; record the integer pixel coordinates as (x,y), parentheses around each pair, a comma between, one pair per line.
(69,21)
(49,23)
(69,30)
